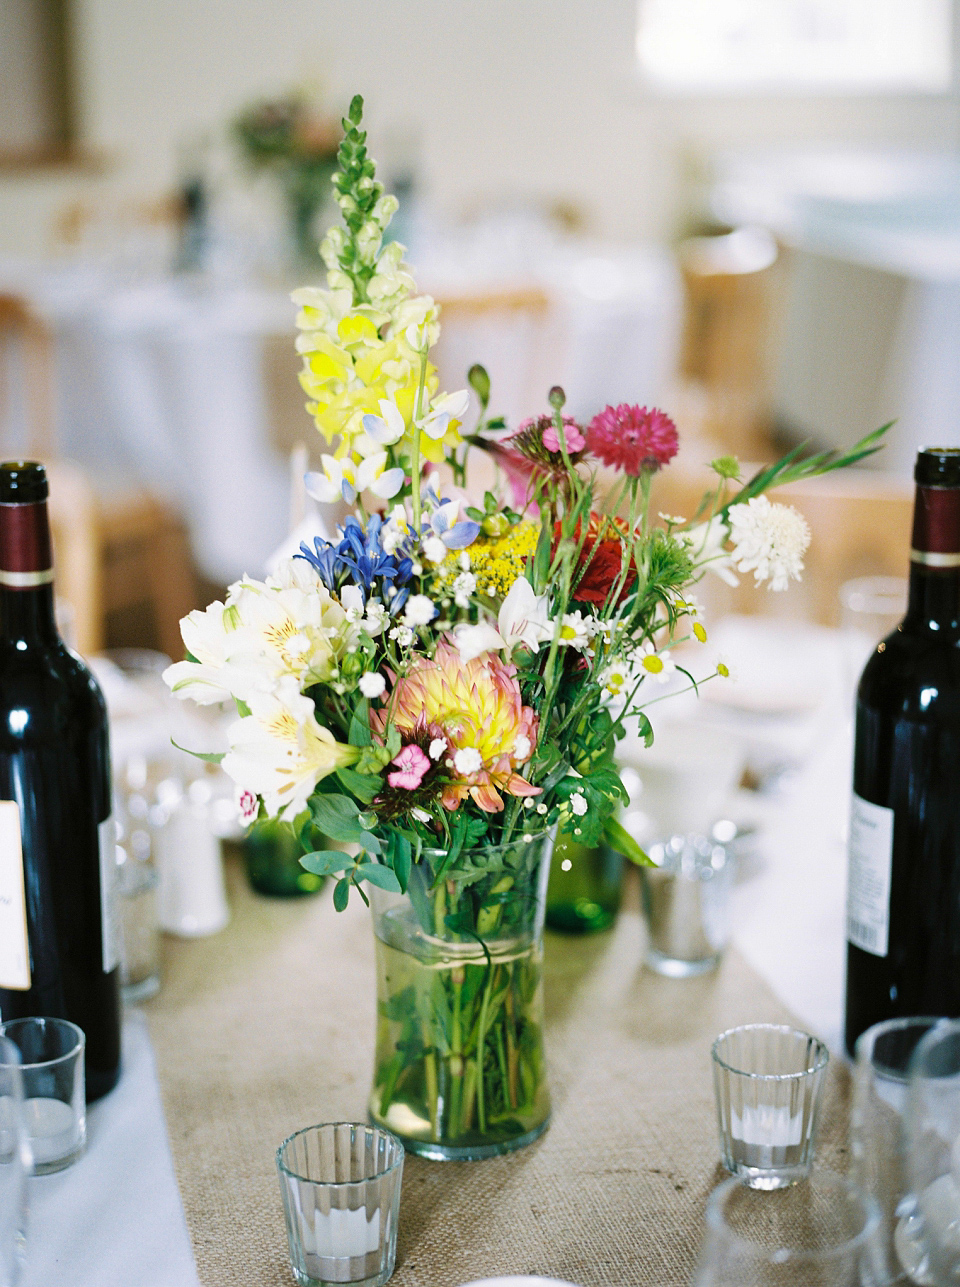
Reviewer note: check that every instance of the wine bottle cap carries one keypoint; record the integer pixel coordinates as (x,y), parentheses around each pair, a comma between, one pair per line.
(22,482)
(938,467)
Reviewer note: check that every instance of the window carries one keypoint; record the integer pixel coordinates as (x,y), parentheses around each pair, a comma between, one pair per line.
(839,46)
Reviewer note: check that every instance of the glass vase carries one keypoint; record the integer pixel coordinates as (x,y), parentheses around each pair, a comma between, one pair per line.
(271,856)
(459,1068)
(585,887)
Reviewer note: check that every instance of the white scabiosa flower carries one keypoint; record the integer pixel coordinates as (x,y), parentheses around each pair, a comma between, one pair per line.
(769,540)
(372,684)
(419,611)
(522,748)
(578,803)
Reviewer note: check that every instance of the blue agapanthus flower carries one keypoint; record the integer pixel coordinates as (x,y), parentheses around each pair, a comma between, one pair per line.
(361,560)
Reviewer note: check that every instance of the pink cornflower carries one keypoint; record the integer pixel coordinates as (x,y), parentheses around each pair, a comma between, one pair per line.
(412,766)
(632,438)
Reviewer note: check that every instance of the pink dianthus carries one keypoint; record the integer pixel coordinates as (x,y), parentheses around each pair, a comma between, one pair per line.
(412,766)
(632,438)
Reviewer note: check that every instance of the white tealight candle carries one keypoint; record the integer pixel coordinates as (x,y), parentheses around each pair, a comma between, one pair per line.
(772,1127)
(52,1128)
(338,1234)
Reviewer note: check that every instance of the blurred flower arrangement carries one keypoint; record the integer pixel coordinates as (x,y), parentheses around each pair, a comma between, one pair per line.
(292,139)
(444,685)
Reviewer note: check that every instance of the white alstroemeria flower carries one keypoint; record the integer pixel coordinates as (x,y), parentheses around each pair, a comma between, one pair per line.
(523,619)
(575,631)
(352,602)
(769,540)
(659,666)
(344,480)
(706,543)
(212,677)
(386,428)
(452,406)
(280,752)
(266,631)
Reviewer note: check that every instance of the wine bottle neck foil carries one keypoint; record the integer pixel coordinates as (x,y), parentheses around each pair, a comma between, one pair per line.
(26,557)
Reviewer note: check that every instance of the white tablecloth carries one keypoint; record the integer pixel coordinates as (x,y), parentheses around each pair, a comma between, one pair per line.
(114,1219)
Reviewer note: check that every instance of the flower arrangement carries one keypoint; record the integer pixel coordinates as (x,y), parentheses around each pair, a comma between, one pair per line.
(444,685)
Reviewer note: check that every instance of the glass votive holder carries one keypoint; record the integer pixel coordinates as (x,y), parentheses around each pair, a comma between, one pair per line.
(821,1233)
(140,961)
(686,903)
(54,1105)
(341,1197)
(768,1080)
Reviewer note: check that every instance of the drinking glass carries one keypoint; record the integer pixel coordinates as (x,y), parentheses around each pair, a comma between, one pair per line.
(341,1196)
(686,904)
(15,1165)
(823,1232)
(54,1106)
(768,1080)
(871,607)
(877,1120)
(929,1239)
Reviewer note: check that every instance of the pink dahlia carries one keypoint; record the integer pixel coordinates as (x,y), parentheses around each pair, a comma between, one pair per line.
(476,706)
(632,438)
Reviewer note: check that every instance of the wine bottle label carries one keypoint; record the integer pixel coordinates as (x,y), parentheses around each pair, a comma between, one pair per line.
(109,912)
(868,883)
(14,947)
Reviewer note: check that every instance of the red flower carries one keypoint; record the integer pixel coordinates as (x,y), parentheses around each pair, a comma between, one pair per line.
(601,560)
(632,438)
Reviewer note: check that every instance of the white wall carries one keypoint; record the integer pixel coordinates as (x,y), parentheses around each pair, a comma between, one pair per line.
(511,98)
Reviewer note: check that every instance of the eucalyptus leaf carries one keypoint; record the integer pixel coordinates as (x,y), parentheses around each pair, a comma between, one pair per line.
(377,874)
(337,817)
(365,786)
(359,734)
(324,862)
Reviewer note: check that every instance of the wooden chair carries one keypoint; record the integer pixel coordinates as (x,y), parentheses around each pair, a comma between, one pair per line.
(116,552)
(731,288)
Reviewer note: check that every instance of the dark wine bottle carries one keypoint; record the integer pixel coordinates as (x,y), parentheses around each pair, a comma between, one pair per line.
(58,929)
(903,898)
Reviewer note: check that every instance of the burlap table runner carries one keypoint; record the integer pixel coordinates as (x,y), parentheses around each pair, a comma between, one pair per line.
(269,1026)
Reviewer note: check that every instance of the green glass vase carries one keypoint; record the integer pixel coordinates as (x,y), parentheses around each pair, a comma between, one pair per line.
(459,1071)
(271,855)
(584,891)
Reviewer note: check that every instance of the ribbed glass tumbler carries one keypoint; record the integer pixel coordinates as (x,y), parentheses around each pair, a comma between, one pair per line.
(341,1197)
(768,1081)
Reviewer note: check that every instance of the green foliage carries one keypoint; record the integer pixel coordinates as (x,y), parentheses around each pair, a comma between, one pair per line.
(355,181)
(726,466)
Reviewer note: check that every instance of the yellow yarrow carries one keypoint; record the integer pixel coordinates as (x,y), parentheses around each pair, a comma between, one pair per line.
(496,562)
